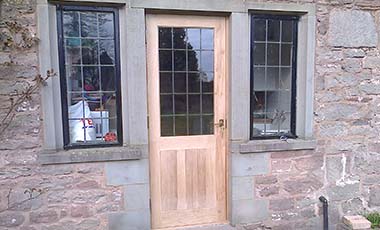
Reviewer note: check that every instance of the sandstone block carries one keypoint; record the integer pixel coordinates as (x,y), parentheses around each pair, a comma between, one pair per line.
(11,219)
(281,204)
(250,164)
(354,53)
(374,196)
(267,179)
(128,172)
(304,184)
(371,62)
(136,196)
(242,188)
(356,222)
(48,216)
(352,28)
(80,211)
(249,211)
(131,220)
(345,192)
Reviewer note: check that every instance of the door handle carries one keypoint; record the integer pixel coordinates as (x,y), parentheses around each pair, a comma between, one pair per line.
(221,124)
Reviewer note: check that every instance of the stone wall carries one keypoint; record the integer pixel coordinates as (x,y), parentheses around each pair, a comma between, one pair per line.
(345,165)
(282,193)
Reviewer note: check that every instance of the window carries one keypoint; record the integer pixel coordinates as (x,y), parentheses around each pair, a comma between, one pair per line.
(273,76)
(89,75)
(186,58)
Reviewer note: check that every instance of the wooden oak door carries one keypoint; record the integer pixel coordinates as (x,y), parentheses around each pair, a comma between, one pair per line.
(187,119)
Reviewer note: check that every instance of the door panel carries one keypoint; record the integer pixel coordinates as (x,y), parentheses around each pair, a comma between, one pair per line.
(187,99)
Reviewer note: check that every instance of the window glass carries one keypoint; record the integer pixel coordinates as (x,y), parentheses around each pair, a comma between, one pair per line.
(273,76)
(186,64)
(90,76)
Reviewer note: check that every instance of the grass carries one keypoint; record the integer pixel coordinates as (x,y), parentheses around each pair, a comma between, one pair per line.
(374,218)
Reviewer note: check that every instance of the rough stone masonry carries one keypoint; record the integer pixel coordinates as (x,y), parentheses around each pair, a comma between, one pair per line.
(345,166)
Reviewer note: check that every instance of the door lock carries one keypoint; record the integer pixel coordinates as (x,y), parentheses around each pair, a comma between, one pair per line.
(221,124)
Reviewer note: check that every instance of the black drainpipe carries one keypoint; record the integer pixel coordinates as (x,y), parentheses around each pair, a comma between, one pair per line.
(325,203)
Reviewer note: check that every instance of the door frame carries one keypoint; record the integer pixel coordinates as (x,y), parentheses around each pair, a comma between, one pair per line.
(226,152)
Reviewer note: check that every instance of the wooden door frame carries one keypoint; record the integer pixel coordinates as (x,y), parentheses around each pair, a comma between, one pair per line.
(152,16)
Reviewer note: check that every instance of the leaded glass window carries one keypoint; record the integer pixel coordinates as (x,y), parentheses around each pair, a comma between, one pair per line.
(186,65)
(273,76)
(90,79)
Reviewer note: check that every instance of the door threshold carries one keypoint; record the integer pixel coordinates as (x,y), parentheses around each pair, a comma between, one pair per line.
(215,226)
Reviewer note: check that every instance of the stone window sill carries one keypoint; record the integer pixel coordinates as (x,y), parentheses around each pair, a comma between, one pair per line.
(91,155)
(258,146)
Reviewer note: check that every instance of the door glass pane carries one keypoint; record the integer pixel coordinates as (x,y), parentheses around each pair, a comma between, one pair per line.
(186,65)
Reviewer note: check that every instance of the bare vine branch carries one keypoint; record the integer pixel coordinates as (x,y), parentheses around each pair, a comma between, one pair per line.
(17,99)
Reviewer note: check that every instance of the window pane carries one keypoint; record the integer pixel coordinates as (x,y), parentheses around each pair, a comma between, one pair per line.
(167,126)
(89,51)
(91,78)
(194,82)
(207,103)
(107,51)
(89,24)
(194,104)
(72,51)
(74,78)
(166,102)
(180,125)
(165,38)
(71,24)
(260,30)
(287,31)
(259,79)
(180,82)
(273,30)
(285,78)
(207,82)
(259,100)
(179,60)
(165,60)
(272,82)
(193,58)
(207,39)
(165,82)
(179,38)
(286,54)
(180,104)
(194,38)
(259,54)
(108,78)
(207,61)
(194,125)
(106,25)
(208,124)
(273,54)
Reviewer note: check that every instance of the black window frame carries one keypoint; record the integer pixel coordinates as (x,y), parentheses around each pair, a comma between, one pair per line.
(295,20)
(60,8)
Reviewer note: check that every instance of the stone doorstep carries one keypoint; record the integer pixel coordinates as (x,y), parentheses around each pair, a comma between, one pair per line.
(206,227)
(356,222)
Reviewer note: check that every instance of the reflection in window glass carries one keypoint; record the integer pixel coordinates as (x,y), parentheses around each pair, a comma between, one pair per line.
(186,64)
(91,76)
(273,76)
